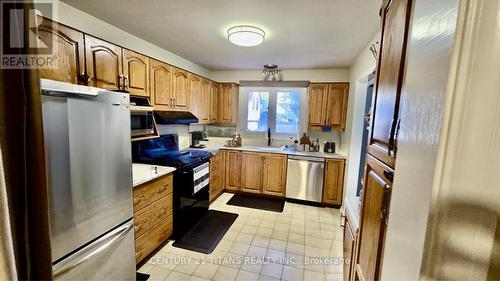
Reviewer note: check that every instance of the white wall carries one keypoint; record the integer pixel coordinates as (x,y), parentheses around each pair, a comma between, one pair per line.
(352,138)
(82,21)
(430,47)
(313,75)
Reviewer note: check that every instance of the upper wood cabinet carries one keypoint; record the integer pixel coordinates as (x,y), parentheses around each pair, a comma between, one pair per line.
(69,53)
(385,124)
(160,76)
(104,64)
(252,167)
(317,104)
(136,71)
(327,104)
(274,177)
(195,94)
(204,113)
(228,112)
(232,162)
(214,102)
(333,183)
(373,219)
(180,89)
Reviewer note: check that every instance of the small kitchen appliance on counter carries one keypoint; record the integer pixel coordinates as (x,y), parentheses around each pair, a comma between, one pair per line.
(329,147)
(196,137)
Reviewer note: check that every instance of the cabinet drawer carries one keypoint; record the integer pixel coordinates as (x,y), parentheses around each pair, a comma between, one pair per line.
(152,214)
(151,191)
(149,241)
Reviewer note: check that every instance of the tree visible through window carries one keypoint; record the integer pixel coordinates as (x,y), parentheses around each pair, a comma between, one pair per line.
(287,112)
(258,111)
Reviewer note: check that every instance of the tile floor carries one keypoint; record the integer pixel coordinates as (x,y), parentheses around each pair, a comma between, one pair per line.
(302,243)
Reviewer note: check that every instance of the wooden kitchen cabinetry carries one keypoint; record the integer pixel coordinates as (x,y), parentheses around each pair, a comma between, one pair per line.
(104,64)
(205,95)
(349,248)
(69,52)
(136,73)
(333,182)
(180,90)
(195,92)
(327,104)
(232,162)
(263,173)
(160,75)
(153,223)
(215,98)
(216,185)
(228,106)
(252,168)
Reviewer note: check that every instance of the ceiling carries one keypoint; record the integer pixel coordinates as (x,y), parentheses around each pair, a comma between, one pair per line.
(300,34)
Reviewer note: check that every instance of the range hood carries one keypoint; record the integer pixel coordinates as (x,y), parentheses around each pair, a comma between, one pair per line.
(175,117)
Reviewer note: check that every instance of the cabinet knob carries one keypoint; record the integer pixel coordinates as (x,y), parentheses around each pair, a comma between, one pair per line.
(389,175)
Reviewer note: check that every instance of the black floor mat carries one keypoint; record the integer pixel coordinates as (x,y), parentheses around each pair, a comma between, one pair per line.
(141,276)
(206,234)
(255,202)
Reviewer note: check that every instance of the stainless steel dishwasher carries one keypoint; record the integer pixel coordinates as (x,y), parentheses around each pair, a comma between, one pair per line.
(304,178)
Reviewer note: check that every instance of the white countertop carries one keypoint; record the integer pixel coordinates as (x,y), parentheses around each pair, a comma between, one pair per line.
(142,173)
(280,151)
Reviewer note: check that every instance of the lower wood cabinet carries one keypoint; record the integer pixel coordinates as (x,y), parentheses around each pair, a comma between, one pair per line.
(350,239)
(373,219)
(333,183)
(216,185)
(263,173)
(232,162)
(153,223)
(252,168)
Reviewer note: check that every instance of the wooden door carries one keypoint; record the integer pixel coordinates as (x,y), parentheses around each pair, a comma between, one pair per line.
(136,70)
(252,166)
(160,75)
(349,239)
(317,104)
(205,101)
(104,64)
(195,93)
(336,109)
(373,216)
(214,101)
(333,182)
(226,104)
(390,73)
(274,178)
(180,89)
(232,161)
(68,48)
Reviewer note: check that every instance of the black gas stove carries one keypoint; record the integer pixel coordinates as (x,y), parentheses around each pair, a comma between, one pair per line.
(191,178)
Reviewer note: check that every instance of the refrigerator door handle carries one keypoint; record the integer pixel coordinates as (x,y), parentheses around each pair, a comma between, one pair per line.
(91,250)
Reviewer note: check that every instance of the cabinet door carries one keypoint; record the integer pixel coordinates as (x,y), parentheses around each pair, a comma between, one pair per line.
(214,101)
(232,161)
(349,238)
(252,166)
(317,104)
(395,18)
(160,75)
(336,109)
(374,212)
(195,93)
(228,103)
(333,183)
(104,64)
(69,57)
(136,70)
(180,92)
(205,102)
(274,178)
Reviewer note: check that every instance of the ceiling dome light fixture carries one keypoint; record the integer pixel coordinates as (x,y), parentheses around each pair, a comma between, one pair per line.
(245,35)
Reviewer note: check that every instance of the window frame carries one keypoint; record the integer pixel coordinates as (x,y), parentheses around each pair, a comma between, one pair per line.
(273,99)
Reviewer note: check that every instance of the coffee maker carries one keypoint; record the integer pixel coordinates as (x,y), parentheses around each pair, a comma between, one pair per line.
(196,137)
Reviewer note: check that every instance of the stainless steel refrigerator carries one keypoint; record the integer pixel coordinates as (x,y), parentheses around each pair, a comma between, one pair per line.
(88,160)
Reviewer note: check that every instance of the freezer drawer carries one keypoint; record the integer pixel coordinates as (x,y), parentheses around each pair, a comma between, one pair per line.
(304,179)
(107,258)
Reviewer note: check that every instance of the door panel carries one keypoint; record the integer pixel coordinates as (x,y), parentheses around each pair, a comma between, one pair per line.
(336,101)
(136,69)
(333,182)
(274,175)
(180,89)
(104,63)
(227,103)
(233,169)
(389,81)
(214,101)
(205,101)
(161,84)
(252,166)
(195,92)
(68,48)
(317,102)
